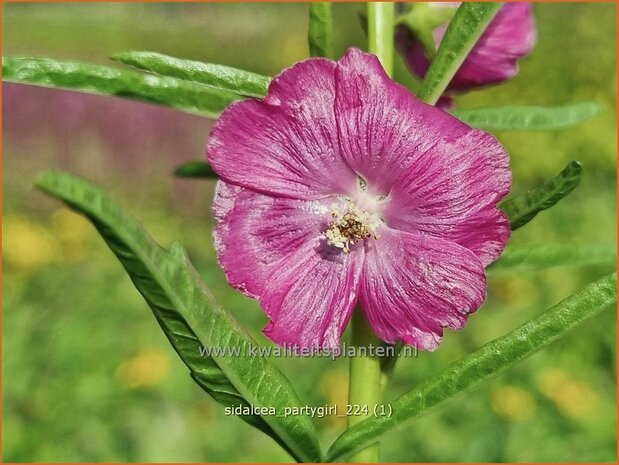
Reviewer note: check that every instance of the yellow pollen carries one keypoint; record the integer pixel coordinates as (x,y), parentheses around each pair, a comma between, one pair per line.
(350,225)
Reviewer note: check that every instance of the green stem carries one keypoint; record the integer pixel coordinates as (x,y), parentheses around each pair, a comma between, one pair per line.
(365,385)
(381,29)
(366,378)
(381,18)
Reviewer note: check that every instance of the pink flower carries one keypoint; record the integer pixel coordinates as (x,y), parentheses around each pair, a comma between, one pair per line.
(342,187)
(510,36)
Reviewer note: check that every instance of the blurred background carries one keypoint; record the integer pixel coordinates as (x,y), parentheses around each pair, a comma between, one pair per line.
(87,374)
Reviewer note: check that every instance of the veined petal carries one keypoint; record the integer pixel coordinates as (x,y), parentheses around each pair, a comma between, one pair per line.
(451,192)
(272,249)
(382,126)
(486,233)
(255,231)
(311,299)
(286,144)
(415,285)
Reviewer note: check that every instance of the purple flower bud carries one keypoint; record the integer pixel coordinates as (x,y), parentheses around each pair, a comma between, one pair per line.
(510,36)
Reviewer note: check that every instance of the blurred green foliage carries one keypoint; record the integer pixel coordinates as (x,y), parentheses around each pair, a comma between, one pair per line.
(88,375)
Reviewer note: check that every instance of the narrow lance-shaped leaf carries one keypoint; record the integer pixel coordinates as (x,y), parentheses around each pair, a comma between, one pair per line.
(529,118)
(221,77)
(103,80)
(195,169)
(191,319)
(547,256)
(487,362)
(523,208)
(464,30)
(320,30)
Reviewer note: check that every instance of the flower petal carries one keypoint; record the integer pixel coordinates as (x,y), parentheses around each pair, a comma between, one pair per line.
(382,126)
(451,192)
(255,231)
(414,285)
(271,249)
(286,144)
(311,298)
(485,233)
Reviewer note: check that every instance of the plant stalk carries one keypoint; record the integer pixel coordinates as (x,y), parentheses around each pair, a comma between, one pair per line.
(366,378)
(366,383)
(381,20)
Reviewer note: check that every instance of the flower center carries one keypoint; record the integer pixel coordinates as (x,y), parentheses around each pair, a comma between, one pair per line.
(350,225)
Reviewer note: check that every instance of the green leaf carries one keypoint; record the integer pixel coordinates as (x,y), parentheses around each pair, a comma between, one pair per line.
(487,362)
(103,80)
(195,169)
(523,208)
(529,118)
(547,256)
(218,76)
(191,319)
(320,31)
(463,32)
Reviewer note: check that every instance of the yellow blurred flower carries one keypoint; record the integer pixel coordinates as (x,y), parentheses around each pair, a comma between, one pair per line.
(26,244)
(147,368)
(572,397)
(515,289)
(513,403)
(73,231)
